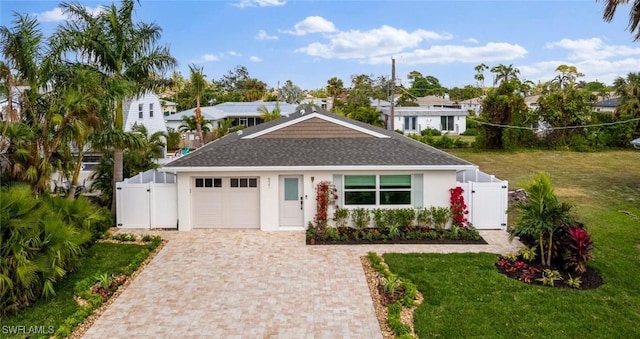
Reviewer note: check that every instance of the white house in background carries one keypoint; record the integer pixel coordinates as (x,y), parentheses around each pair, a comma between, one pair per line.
(168,107)
(144,110)
(473,104)
(433,101)
(415,119)
(242,113)
(265,176)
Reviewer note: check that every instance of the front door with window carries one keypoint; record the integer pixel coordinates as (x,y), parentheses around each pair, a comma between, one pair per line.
(291,203)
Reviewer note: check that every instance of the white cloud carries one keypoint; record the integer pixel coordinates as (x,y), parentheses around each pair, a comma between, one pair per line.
(234,53)
(472,40)
(594,48)
(254,58)
(312,24)
(57,15)
(444,54)
(259,3)
(602,70)
(209,57)
(262,35)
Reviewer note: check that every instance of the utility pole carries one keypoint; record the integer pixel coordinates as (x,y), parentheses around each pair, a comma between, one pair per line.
(393,92)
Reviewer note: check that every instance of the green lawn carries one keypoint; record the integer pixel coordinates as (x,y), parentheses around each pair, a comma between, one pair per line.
(466,297)
(100,258)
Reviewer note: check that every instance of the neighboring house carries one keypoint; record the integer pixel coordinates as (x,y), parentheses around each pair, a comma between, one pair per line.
(472,105)
(144,110)
(168,107)
(247,114)
(324,103)
(608,105)
(264,177)
(208,113)
(415,119)
(432,101)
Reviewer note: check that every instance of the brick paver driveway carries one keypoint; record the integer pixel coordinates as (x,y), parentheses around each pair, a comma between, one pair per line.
(254,284)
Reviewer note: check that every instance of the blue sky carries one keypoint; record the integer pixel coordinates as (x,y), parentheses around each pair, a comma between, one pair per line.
(308,42)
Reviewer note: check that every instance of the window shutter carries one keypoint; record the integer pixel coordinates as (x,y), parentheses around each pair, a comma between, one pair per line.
(418,190)
(337,182)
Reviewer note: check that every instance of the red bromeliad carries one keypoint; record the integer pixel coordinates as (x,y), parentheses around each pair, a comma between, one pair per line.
(326,194)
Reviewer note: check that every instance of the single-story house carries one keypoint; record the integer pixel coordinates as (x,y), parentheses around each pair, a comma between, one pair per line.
(608,105)
(415,119)
(208,113)
(265,176)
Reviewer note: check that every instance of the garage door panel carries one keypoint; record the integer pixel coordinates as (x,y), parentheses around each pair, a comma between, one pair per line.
(209,207)
(226,206)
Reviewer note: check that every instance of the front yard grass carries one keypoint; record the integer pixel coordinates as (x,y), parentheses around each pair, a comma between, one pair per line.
(100,258)
(465,296)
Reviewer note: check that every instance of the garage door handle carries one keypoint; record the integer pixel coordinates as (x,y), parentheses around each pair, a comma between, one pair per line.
(301,203)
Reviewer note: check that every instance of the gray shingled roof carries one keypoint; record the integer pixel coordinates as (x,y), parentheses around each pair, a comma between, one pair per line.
(397,150)
(615,102)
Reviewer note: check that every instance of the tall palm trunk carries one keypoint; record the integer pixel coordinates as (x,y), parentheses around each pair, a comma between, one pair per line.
(117,156)
(199,121)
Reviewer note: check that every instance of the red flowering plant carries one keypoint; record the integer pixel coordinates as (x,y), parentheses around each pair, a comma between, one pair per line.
(458,208)
(326,195)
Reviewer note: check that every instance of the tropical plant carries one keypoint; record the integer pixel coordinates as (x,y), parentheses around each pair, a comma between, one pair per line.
(634,16)
(37,248)
(542,216)
(628,89)
(265,115)
(198,84)
(125,52)
(440,216)
(341,217)
(578,250)
(291,93)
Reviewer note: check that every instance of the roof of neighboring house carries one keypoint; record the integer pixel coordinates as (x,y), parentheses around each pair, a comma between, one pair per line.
(167,102)
(315,139)
(613,102)
(208,112)
(433,100)
(235,108)
(424,111)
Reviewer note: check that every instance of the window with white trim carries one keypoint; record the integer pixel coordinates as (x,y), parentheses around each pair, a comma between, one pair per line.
(410,123)
(446,123)
(140,111)
(151,110)
(377,190)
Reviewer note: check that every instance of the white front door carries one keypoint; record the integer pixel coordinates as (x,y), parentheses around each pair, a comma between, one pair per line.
(291,203)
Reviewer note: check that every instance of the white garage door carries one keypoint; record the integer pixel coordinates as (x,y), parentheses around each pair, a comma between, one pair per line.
(225,202)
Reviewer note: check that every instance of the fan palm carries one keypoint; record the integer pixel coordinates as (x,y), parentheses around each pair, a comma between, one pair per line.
(267,115)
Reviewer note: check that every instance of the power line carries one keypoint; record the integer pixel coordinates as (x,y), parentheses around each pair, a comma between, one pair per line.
(556,128)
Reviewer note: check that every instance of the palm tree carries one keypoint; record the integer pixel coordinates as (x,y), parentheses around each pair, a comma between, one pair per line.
(634,15)
(504,73)
(480,75)
(628,89)
(265,115)
(335,87)
(198,84)
(122,50)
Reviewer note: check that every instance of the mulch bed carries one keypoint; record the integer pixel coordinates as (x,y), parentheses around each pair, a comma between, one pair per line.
(397,242)
(589,280)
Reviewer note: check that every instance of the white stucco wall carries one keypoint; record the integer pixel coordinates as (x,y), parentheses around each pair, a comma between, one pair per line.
(153,124)
(436,185)
(424,122)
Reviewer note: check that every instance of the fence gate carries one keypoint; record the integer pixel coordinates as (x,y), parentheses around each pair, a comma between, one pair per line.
(487,200)
(148,200)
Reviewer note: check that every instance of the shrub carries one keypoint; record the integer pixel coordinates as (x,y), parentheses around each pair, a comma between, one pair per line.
(37,247)
(341,216)
(578,250)
(430,132)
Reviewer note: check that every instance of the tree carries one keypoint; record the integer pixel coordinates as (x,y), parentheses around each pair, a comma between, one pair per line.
(479,76)
(504,73)
(190,123)
(198,83)
(628,89)
(542,216)
(423,86)
(122,50)
(335,87)
(634,16)
(291,93)
(265,115)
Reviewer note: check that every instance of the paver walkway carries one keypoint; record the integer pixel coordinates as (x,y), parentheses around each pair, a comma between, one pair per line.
(255,284)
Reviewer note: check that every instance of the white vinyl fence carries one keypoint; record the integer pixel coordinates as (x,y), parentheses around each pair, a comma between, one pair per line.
(148,200)
(486,198)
